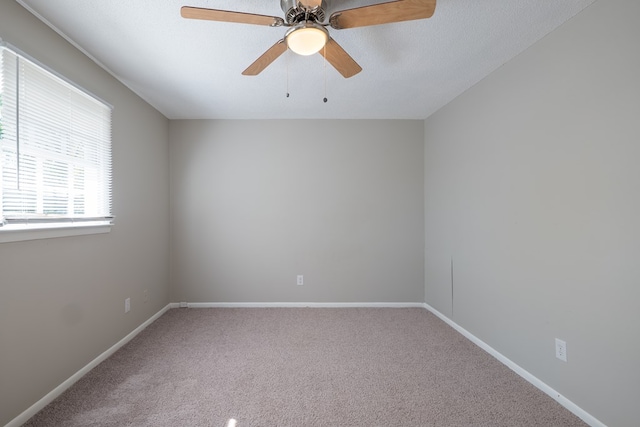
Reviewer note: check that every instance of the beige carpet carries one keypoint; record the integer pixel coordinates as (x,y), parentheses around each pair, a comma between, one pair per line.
(302,367)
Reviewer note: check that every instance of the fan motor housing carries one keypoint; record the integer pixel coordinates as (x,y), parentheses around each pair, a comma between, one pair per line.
(295,12)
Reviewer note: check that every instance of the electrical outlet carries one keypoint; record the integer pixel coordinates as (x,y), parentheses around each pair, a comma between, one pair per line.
(561,350)
(300,279)
(127,305)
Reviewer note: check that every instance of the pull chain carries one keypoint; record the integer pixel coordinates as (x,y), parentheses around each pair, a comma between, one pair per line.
(325,73)
(287,75)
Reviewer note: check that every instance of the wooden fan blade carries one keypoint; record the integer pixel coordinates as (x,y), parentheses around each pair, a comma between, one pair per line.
(383,13)
(266,59)
(227,16)
(340,59)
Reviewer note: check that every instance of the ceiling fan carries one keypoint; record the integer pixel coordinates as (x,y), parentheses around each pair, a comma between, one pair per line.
(307,33)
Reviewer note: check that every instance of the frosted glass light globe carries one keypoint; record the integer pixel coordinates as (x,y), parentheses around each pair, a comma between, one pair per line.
(307,39)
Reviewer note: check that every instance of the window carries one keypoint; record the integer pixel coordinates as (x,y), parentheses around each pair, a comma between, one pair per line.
(55,148)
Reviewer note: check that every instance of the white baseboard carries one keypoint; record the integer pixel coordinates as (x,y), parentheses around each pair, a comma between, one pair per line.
(575,409)
(300,304)
(50,397)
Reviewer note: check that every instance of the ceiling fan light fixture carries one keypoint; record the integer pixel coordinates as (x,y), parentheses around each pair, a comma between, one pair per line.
(307,38)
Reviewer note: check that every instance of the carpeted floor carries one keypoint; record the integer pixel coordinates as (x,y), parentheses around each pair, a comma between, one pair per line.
(302,367)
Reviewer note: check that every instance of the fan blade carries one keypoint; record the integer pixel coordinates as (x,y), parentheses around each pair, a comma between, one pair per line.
(266,59)
(383,13)
(227,16)
(340,59)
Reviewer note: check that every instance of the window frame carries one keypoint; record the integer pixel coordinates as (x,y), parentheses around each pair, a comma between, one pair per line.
(31,229)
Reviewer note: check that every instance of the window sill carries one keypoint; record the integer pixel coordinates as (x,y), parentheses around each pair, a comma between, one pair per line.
(19,233)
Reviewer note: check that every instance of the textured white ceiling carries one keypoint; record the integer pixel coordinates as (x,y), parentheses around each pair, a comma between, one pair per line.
(191,69)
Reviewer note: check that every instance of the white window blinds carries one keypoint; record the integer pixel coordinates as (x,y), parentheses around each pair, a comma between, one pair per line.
(55,143)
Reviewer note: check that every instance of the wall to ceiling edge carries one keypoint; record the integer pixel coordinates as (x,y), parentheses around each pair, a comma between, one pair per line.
(532,191)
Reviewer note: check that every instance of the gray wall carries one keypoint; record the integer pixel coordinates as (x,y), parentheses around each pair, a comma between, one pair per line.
(254,203)
(533,187)
(62,300)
